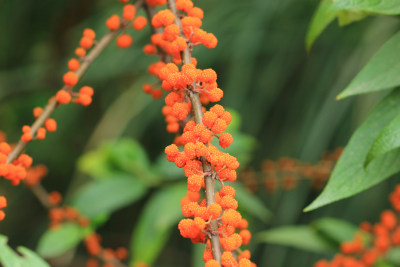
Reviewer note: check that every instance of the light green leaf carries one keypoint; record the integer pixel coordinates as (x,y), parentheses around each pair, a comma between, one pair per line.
(321,19)
(337,230)
(108,195)
(393,256)
(8,258)
(57,241)
(121,155)
(380,73)
(251,204)
(95,163)
(388,140)
(346,17)
(161,213)
(387,7)
(301,237)
(349,176)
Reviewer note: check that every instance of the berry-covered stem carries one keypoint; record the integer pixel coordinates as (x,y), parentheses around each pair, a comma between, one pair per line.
(53,104)
(198,117)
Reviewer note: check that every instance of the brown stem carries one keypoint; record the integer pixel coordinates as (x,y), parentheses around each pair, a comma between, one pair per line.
(42,195)
(48,110)
(198,117)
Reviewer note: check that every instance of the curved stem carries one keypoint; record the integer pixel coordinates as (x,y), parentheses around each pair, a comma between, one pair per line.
(198,117)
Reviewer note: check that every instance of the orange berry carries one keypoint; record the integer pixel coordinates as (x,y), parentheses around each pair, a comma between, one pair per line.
(37,112)
(196,12)
(163,18)
(86,42)
(41,133)
(156,2)
(214,211)
(84,100)
(124,41)
(26,137)
(129,12)
(212,263)
(139,23)
(2,215)
(92,263)
(3,202)
(63,97)
(54,198)
(121,253)
(225,140)
(74,64)
(5,148)
(70,78)
(86,90)
(150,49)
(113,23)
(89,33)
(246,236)
(80,52)
(195,182)
(50,125)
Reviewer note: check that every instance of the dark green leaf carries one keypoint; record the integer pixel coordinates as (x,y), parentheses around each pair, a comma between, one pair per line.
(8,258)
(388,140)
(57,241)
(380,73)
(160,215)
(387,7)
(349,176)
(108,195)
(321,19)
(301,237)
(251,204)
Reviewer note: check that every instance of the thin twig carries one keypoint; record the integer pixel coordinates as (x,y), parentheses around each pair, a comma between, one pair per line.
(48,110)
(198,117)
(42,195)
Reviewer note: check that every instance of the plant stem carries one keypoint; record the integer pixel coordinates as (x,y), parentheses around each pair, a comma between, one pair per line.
(52,105)
(198,117)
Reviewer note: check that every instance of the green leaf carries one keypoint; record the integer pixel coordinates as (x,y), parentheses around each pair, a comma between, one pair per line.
(380,73)
(346,17)
(129,155)
(8,258)
(387,7)
(161,213)
(95,163)
(251,204)
(337,230)
(393,256)
(108,195)
(56,242)
(321,19)
(121,155)
(349,176)
(167,170)
(301,237)
(388,140)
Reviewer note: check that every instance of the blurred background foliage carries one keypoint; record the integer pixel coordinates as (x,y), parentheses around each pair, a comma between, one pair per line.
(283,98)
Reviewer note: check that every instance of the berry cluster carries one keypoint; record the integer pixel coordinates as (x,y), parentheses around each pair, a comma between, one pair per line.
(115,22)
(107,255)
(287,173)
(214,219)
(361,252)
